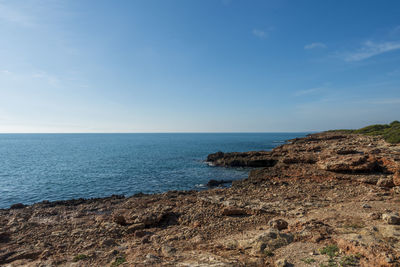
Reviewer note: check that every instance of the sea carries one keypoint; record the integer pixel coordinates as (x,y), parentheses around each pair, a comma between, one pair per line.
(37,167)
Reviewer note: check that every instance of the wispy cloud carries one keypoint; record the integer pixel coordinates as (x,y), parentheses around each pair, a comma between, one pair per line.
(370,49)
(260,33)
(5,72)
(50,79)
(323,88)
(315,45)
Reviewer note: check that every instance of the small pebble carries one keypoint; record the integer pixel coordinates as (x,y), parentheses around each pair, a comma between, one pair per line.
(151,257)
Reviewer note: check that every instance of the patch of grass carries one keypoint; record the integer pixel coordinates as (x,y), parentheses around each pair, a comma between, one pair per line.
(118,261)
(331,263)
(389,132)
(349,260)
(80,257)
(343,261)
(308,260)
(330,250)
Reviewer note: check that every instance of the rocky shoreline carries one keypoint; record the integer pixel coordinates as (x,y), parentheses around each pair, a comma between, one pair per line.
(329,199)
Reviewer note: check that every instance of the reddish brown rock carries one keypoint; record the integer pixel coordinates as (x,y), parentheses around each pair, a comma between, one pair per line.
(119,219)
(389,162)
(233,211)
(385,182)
(348,164)
(278,224)
(396,178)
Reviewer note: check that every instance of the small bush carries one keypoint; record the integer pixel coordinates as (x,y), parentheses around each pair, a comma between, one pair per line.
(389,132)
(308,260)
(394,123)
(330,250)
(80,257)
(349,260)
(118,261)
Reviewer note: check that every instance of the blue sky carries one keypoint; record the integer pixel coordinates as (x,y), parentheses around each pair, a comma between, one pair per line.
(198,66)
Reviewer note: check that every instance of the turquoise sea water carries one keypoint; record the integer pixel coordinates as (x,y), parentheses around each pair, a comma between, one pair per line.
(37,167)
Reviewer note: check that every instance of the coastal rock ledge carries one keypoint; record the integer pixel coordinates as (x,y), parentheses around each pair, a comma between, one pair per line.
(329,199)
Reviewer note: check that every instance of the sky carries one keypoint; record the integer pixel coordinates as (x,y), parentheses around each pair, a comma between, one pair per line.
(198,66)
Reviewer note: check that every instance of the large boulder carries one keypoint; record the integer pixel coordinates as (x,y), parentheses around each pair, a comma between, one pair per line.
(119,219)
(215,156)
(350,163)
(17,206)
(391,218)
(233,211)
(385,182)
(269,241)
(156,218)
(278,224)
(242,159)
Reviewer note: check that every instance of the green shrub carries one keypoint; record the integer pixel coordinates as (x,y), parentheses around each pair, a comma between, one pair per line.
(390,132)
(330,250)
(376,129)
(118,261)
(80,257)
(349,260)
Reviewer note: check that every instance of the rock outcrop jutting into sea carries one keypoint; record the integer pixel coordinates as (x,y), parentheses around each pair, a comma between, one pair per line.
(329,198)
